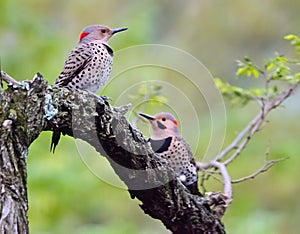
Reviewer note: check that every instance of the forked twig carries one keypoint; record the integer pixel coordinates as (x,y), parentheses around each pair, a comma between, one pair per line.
(221,200)
(267,165)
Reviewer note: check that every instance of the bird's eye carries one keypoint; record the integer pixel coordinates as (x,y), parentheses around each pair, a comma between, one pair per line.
(163,119)
(103,30)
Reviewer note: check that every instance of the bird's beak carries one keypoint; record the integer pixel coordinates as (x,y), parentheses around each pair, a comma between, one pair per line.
(116,30)
(149,117)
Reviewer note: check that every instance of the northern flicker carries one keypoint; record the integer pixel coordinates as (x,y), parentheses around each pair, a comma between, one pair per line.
(88,65)
(167,142)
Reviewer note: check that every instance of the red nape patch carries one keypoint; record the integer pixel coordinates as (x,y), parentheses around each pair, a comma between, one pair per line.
(82,35)
(175,122)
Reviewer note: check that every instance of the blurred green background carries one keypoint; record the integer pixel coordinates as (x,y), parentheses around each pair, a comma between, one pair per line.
(66,197)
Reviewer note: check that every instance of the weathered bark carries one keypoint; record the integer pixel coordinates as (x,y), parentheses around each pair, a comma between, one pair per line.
(19,127)
(27,112)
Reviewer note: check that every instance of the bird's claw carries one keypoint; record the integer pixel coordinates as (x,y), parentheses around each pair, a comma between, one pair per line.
(105,98)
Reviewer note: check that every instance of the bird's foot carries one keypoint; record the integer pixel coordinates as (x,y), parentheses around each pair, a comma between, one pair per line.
(105,98)
(102,98)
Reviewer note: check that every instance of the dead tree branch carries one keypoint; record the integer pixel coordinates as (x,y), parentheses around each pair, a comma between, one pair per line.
(28,109)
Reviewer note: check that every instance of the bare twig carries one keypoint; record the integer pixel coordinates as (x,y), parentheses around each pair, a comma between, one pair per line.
(219,201)
(213,174)
(226,179)
(267,165)
(253,127)
(283,95)
(240,136)
(7,78)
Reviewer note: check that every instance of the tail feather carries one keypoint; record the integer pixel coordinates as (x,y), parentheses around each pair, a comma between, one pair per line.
(54,140)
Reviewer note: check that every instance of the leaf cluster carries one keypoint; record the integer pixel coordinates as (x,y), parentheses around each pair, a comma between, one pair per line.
(274,72)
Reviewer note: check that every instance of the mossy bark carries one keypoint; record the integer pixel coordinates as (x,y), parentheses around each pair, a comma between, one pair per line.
(32,107)
(21,119)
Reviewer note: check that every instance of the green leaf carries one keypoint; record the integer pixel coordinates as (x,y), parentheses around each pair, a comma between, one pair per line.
(247,68)
(294,40)
(295,78)
(289,37)
(270,66)
(255,73)
(241,71)
(257,92)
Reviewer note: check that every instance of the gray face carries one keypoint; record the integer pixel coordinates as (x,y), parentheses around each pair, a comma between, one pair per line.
(163,125)
(98,32)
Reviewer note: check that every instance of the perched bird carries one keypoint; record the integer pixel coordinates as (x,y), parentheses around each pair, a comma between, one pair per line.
(167,142)
(88,65)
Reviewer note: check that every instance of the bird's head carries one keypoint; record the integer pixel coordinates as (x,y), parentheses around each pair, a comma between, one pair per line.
(163,125)
(98,32)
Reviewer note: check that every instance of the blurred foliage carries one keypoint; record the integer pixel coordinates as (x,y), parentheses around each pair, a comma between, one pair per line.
(277,68)
(151,94)
(236,95)
(65,197)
